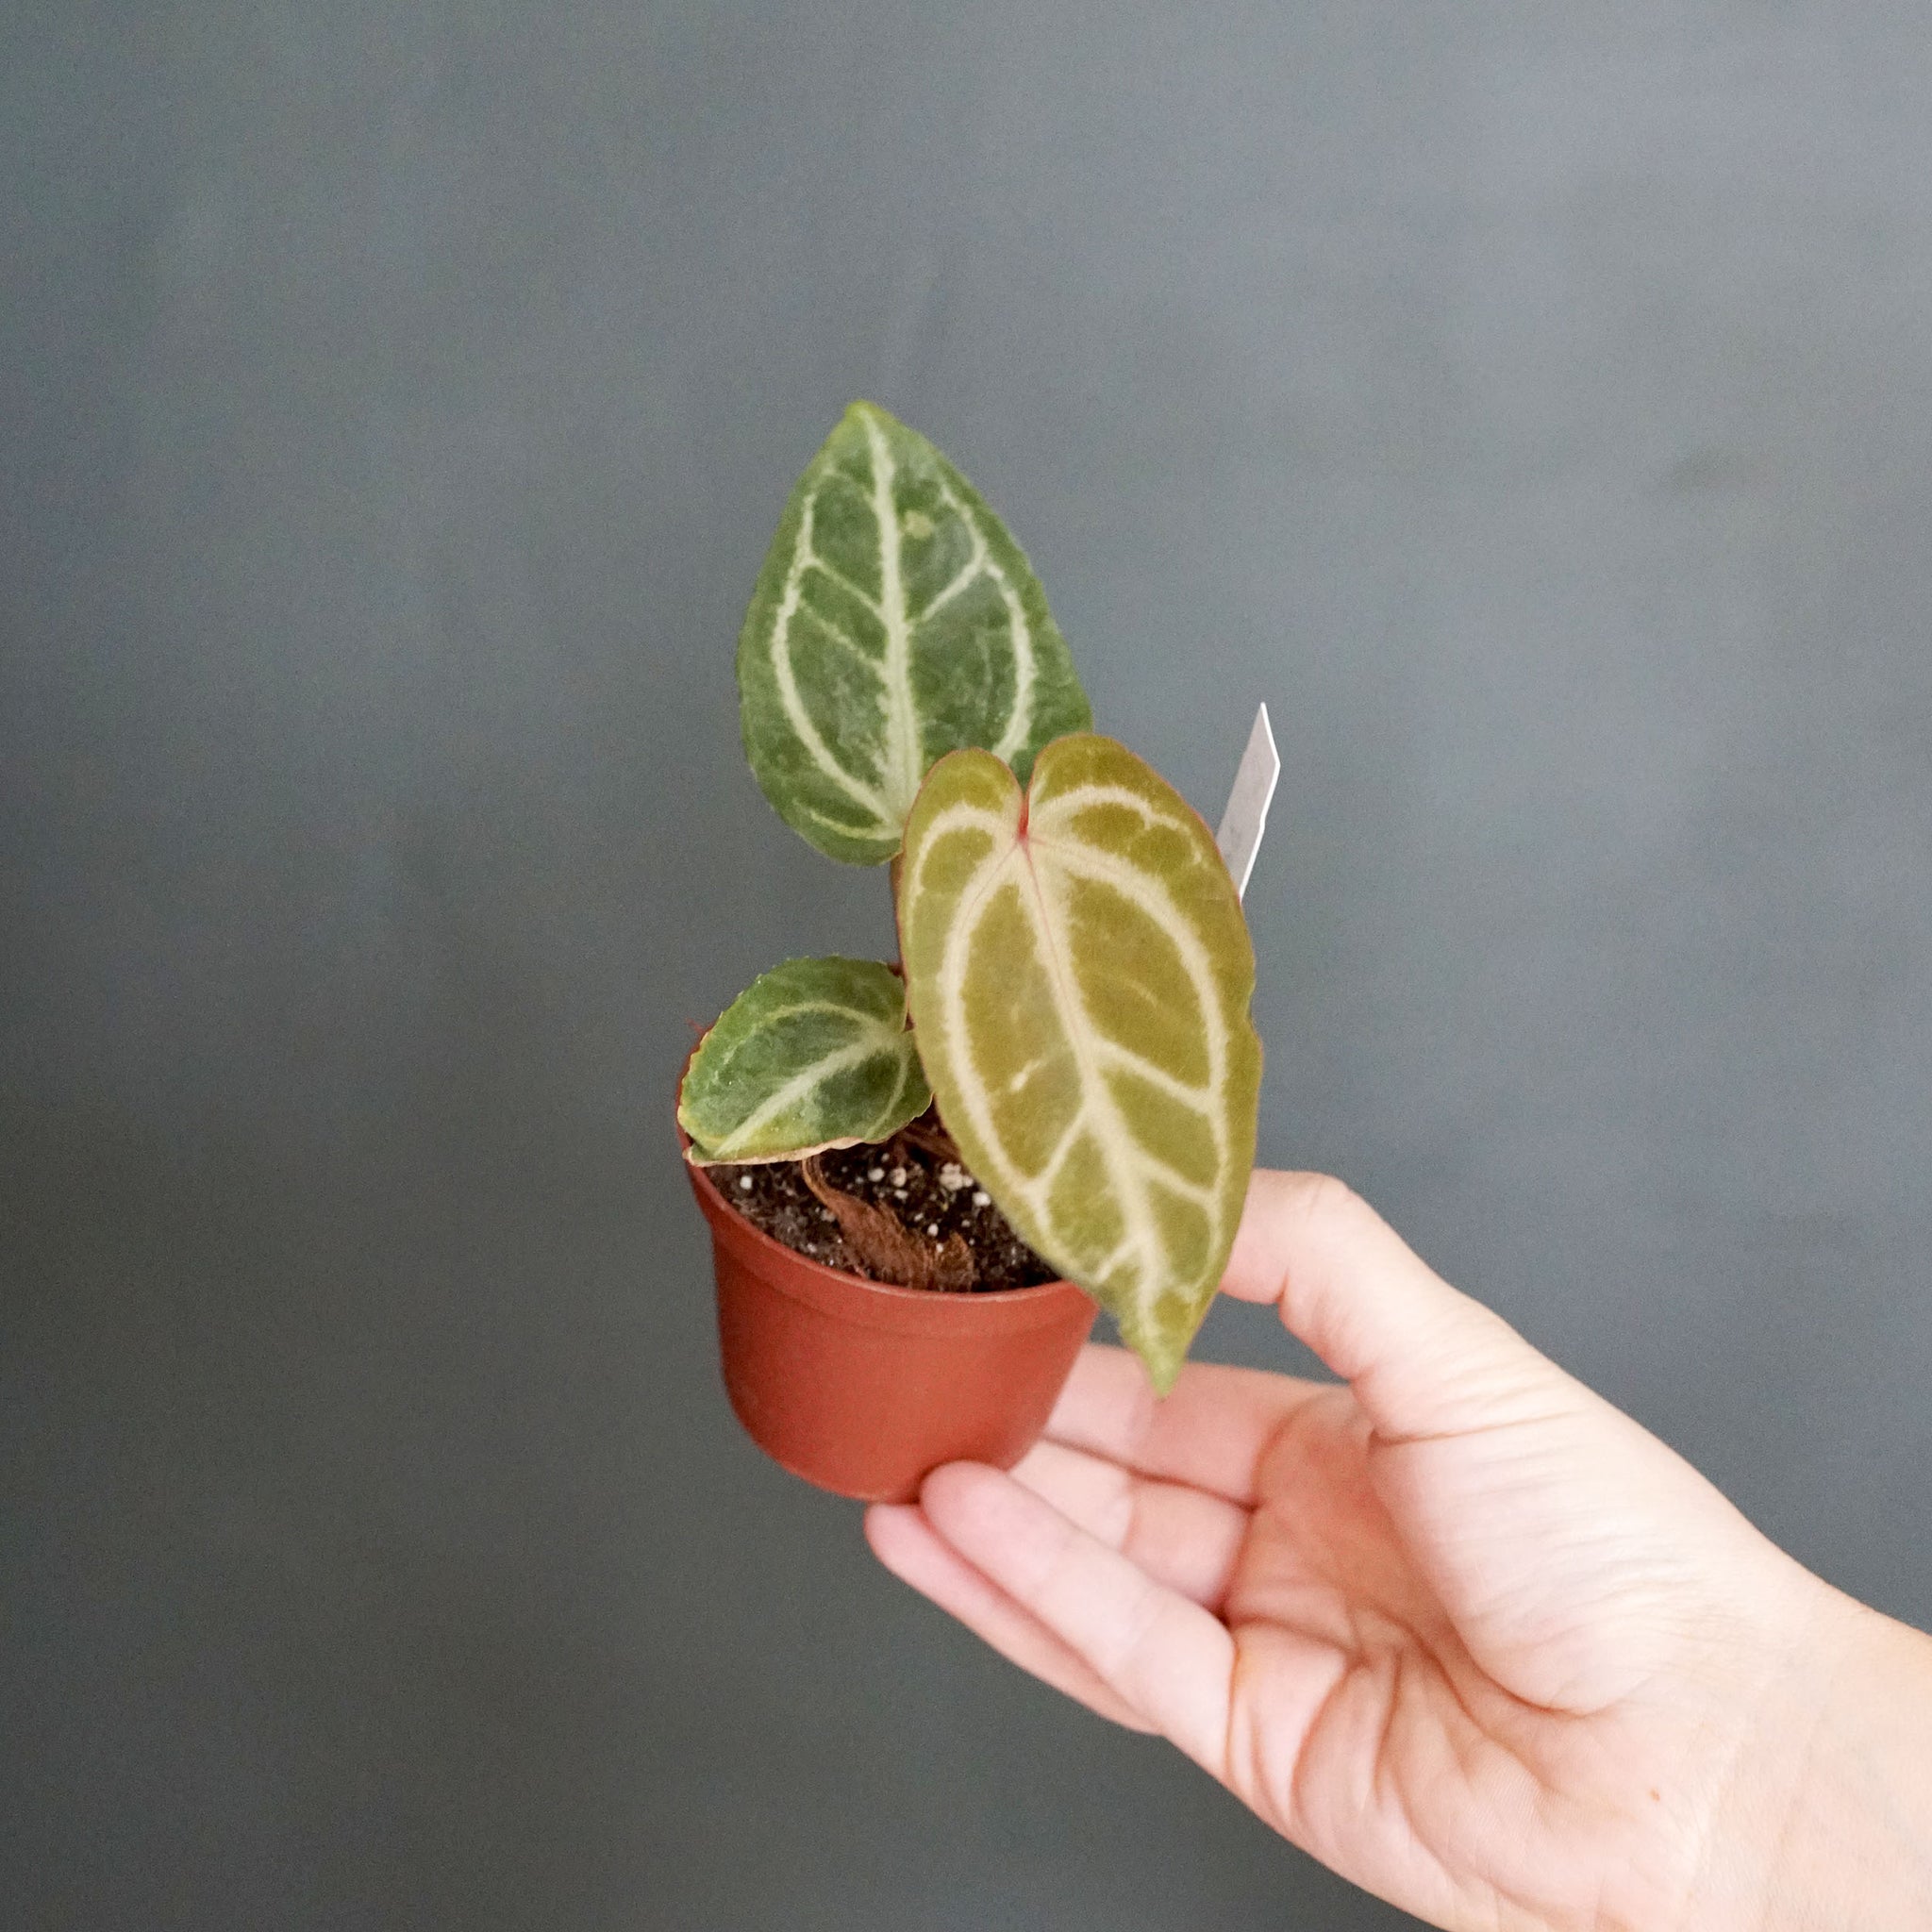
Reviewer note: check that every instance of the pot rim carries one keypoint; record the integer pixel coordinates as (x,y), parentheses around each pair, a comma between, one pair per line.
(826,1279)
(886,1290)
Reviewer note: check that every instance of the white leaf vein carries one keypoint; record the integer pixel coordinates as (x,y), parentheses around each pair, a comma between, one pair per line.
(789,697)
(1132,1167)
(1019,631)
(814,561)
(875,1040)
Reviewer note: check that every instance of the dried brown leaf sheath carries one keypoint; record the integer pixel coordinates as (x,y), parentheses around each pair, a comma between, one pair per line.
(888,1251)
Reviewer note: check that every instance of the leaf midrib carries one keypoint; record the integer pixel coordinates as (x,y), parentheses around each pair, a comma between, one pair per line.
(1131,1169)
(904,742)
(1117,1145)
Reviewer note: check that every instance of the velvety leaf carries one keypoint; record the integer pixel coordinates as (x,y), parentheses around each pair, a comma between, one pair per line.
(814,1054)
(1080,971)
(894,621)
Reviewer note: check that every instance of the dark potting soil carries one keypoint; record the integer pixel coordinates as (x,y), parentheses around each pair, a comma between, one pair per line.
(931,1196)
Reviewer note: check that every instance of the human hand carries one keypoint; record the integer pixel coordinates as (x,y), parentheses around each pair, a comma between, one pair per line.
(1456,1626)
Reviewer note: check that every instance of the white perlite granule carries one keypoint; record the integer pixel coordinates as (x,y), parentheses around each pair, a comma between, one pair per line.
(744,1184)
(874,1173)
(953,1177)
(932,1227)
(981,1198)
(898,1177)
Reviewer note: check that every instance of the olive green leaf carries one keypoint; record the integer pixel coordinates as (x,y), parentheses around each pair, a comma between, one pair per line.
(813,1054)
(894,621)
(1078,974)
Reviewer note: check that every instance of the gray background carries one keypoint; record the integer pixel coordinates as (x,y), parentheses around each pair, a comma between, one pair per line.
(1532,404)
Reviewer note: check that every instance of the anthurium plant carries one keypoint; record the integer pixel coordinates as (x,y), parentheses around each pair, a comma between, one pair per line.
(1072,992)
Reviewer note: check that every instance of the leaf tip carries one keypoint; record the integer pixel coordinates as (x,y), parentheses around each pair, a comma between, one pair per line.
(861,410)
(1163,1365)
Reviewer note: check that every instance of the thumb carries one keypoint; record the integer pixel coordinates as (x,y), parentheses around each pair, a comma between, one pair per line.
(1423,1359)
(1564,1540)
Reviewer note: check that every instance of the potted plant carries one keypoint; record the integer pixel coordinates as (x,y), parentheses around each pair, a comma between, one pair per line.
(922,1177)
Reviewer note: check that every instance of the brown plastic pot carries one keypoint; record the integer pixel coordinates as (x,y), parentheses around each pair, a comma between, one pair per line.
(863,1388)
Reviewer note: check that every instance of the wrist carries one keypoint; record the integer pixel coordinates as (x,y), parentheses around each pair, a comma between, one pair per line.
(1831,1822)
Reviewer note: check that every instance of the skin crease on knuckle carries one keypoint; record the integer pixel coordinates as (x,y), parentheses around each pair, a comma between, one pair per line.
(1454,1625)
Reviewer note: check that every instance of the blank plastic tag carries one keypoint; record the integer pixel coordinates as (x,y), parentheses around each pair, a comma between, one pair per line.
(1246,817)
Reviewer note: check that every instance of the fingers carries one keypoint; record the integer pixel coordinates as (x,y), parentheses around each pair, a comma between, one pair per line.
(1211,1432)
(906,1543)
(1160,1655)
(1422,1358)
(1182,1538)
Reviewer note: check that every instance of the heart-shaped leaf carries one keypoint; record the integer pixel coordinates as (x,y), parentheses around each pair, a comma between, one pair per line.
(813,1054)
(894,621)
(1078,972)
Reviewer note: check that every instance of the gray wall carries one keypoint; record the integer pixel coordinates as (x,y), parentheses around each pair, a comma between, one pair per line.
(1533,405)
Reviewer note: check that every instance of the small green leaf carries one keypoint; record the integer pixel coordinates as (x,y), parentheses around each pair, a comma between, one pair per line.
(813,1054)
(1079,973)
(894,621)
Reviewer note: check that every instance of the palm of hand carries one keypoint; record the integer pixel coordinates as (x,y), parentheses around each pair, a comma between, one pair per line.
(1458,1627)
(1591,1735)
